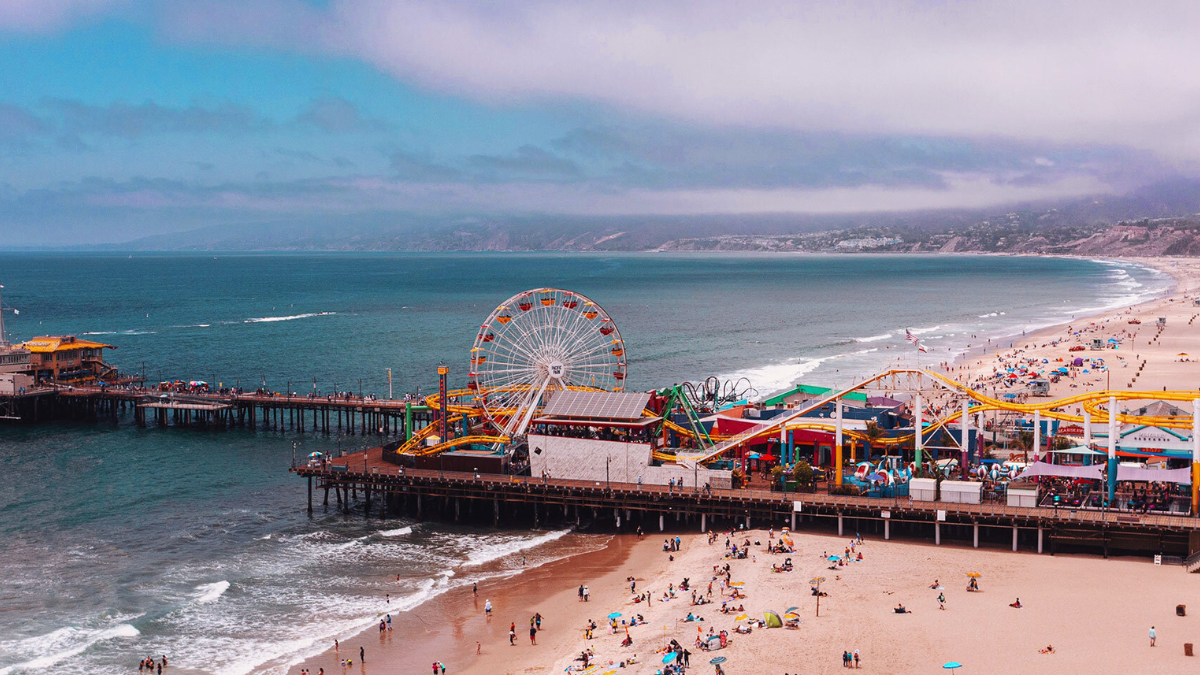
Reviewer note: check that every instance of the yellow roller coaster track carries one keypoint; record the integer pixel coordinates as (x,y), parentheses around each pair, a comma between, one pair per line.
(1092,402)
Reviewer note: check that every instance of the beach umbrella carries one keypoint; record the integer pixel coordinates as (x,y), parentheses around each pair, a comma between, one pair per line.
(789,610)
(877,476)
(952,665)
(834,558)
(741,617)
(314,455)
(717,659)
(670,656)
(737,583)
(1181,354)
(974,575)
(614,615)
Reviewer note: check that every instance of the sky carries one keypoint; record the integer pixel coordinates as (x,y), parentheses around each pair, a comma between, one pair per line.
(127,118)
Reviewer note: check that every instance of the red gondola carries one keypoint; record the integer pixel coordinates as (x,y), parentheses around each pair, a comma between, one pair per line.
(607,329)
(525,305)
(488,338)
(570,303)
(619,375)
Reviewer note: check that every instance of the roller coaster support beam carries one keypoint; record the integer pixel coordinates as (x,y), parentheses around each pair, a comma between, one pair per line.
(1112,449)
(1037,434)
(965,454)
(837,442)
(918,428)
(1196,456)
(408,430)
(443,430)
(1087,429)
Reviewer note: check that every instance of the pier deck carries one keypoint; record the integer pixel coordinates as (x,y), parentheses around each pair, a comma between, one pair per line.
(544,499)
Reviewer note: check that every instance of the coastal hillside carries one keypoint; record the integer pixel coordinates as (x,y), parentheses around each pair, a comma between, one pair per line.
(1161,220)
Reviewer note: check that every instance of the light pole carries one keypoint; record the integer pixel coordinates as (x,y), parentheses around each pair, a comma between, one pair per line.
(389,384)
(607,484)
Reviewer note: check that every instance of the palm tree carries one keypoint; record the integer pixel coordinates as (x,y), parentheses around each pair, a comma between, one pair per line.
(873,433)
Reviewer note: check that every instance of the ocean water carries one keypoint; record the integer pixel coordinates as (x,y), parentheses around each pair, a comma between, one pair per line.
(119,543)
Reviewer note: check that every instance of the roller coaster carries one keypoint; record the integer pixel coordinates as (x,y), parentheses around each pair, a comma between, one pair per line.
(547,339)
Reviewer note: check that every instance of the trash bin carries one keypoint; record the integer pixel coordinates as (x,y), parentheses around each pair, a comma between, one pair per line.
(1180,610)
(1187,649)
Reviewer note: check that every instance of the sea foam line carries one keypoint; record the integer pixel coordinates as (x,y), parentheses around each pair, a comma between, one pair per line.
(62,634)
(293,317)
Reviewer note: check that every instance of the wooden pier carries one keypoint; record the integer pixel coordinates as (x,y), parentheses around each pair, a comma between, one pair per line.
(363,482)
(326,415)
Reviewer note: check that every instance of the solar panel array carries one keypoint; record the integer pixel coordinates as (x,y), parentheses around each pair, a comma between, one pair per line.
(610,405)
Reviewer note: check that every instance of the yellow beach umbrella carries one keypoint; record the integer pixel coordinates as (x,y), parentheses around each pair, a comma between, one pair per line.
(738,584)
(974,575)
(741,617)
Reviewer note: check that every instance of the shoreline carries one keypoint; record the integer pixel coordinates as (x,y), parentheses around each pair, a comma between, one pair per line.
(446,628)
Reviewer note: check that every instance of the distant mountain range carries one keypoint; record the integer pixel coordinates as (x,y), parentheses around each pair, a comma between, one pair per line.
(1160,220)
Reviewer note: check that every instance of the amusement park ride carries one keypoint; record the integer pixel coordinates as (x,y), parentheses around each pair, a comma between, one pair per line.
(549,340)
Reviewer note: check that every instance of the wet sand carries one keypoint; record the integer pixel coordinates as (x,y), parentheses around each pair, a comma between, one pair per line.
(447,628)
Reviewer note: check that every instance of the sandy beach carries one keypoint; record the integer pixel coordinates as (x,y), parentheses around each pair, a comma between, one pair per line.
(1095,613)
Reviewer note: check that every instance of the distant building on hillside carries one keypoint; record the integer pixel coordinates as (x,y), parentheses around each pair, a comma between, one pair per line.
(868,242)
(67,359)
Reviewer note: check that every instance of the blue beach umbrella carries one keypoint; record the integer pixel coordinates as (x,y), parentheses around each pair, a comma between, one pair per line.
(952,665)
(670,656)
(717,659)
(614,615)
(834,558)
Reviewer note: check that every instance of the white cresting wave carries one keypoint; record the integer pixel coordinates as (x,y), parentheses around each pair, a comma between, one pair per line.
(489,552)
(293,317)
(63,644)
(873,338)
(398,532)
(210,592)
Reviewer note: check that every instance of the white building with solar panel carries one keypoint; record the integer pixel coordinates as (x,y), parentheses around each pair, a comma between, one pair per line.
(606,437)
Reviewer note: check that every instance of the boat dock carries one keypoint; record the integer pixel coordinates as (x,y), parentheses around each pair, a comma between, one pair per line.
(364,482)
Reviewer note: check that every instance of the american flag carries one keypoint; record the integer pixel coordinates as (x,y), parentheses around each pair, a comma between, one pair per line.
(908,335)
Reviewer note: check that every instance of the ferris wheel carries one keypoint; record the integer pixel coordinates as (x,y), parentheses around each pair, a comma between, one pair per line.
(540,341)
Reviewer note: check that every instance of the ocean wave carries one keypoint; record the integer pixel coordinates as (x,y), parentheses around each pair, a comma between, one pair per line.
(63,644)
(983,316)
(398,532)
(489,552)
(873,338)
(210,592)
(120,332)
(922,331)
(293,317)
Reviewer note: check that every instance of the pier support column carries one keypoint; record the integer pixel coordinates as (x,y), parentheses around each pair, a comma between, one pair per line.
(1040,532)
(747,521)
(704,522)
(419,507)
(661,524)
(495,512)
(937,533)
(887,530)
(458,509)
(310,495)
(841,529)
(1014,538)
(793,521)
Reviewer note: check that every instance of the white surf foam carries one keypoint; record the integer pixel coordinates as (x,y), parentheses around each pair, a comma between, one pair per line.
(398,532)
(63,644)
(293,317)
(873,338)
(489,552)
(210,592)
(922,331)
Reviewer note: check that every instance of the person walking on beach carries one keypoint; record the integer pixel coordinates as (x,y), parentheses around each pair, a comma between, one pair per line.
(538,619)
(855,658)
(512,634)
(487,608)
(586,593)
(475,589)
(581,592)
(1153,636)
(532,633)
(362,655)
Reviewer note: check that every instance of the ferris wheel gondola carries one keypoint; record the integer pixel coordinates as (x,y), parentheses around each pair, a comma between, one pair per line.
(538,342)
